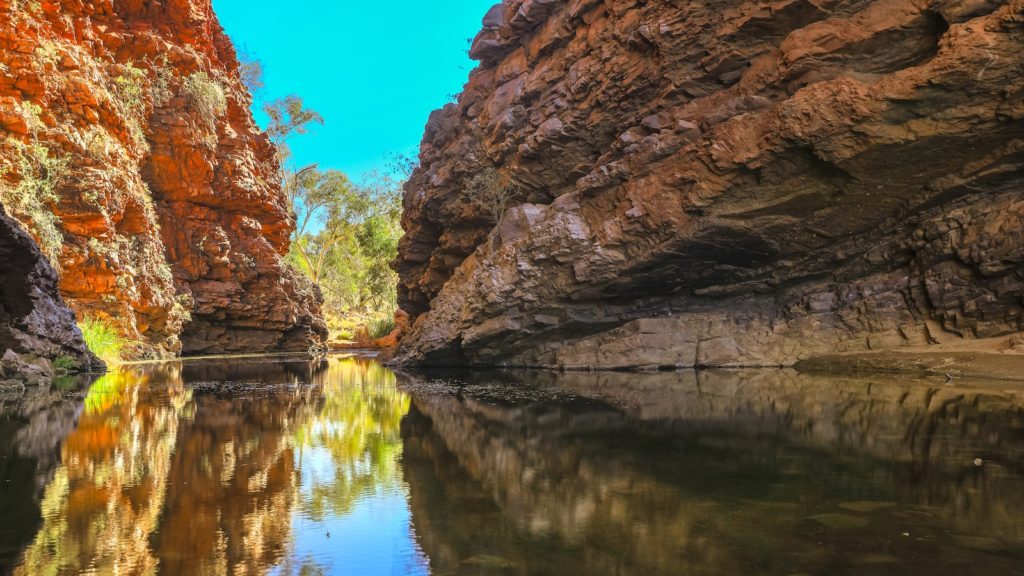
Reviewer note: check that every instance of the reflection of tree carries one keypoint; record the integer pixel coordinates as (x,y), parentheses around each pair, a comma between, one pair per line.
(358,428)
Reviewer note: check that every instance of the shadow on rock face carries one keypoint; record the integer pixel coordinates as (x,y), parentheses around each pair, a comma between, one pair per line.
(35,324)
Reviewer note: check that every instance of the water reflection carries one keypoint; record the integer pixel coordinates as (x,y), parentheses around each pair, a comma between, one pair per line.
(212,468)
(717,473)
(33,427)
(260,466)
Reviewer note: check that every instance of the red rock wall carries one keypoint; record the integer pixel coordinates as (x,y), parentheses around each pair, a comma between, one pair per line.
(723,182)
(170,218)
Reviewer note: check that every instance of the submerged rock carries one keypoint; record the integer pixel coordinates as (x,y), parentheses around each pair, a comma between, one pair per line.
(722,184)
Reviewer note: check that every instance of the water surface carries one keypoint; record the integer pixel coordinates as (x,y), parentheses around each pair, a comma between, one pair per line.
(341,466)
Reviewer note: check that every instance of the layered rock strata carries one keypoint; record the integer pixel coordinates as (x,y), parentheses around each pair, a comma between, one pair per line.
(130,153)
(36,325)
(722,182)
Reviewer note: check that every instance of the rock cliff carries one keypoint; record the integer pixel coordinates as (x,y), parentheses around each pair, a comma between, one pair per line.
(130,154)
(721,182)
(34,320)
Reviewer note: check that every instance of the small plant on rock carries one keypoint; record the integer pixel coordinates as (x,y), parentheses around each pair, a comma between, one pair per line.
(41,174)
(205,95)
(130,97)
(48,53)
(489,193)
(66,363)
(160,88)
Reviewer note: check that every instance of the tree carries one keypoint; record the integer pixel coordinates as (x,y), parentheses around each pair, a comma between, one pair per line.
(251,71)
(328,201)
(346,237)
(289,117)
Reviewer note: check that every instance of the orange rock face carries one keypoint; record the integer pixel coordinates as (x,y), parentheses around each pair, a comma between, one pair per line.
(722,182)
(130,154)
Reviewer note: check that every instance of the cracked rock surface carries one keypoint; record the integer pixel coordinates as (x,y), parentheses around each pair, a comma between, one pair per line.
(723,183)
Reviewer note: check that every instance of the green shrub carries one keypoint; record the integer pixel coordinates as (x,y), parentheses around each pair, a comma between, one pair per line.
(48,53)
(381,327)
(104,340)
(130,96)
(205,95)
(65,363)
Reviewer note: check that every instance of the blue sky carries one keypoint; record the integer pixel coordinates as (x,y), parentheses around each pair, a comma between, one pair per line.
(374,70)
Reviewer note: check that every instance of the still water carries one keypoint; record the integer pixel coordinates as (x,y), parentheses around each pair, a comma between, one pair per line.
(341,466)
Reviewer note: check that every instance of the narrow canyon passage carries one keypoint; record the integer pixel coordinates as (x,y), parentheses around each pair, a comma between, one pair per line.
(512,287)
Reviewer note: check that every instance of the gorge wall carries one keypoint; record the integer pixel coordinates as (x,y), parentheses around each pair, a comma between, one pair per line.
(128,150)
(722,182)
(34,320)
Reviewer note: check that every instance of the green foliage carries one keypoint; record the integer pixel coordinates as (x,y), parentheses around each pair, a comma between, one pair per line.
(65,363)
(381,327)
(41,174)
(346,238)
(48,53)
(487,191)
(289,117)
(130,95)
(33,115)
(205,95)
(104,340)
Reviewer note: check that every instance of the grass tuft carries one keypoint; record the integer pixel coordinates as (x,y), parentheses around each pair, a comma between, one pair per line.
(65,363)
(381,327)
(104,340)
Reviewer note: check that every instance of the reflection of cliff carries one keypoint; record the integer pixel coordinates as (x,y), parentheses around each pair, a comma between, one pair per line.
(105,498)
(32,430)
(716,473)
(231,486)
(198,467)
(155,475)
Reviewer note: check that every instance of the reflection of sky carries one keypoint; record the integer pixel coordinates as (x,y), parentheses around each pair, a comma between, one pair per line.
(376,537)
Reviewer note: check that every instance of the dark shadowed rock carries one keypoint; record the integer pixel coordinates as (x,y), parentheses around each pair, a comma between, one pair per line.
(35,324)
